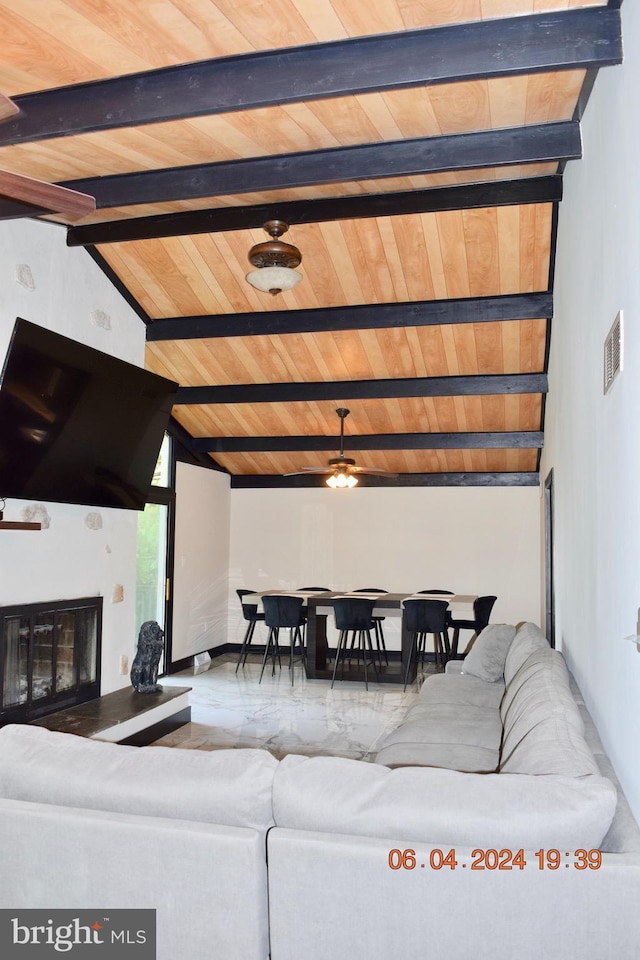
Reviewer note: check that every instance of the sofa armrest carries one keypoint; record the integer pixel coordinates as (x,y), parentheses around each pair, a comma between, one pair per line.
(493,914)
(206,882)
(454,666)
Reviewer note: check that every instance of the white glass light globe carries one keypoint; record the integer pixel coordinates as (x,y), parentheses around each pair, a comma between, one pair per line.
(274,279)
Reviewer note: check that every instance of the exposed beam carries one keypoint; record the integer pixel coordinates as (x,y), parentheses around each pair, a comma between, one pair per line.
(368,316)
(523,479)
(184,439)
(123,290)
(15,210)
(366,389)
(533,143)
(499,440)
(460,197)
(571,39)
(7,107)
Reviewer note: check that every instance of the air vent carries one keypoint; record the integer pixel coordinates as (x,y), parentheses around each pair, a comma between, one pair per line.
(613,352)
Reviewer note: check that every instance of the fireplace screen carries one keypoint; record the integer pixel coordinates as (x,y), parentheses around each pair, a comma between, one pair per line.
(50,657)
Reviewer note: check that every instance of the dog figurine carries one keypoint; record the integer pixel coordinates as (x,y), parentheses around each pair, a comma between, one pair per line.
(144,669)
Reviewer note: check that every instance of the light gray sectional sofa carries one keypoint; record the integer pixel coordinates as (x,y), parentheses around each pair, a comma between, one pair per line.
(476,833)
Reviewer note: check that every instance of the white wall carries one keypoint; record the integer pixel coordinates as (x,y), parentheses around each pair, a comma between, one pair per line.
(470,540)
(592,441)
(201,567)
(69,560)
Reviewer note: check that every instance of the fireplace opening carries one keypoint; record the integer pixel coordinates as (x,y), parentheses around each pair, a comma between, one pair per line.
(49,657)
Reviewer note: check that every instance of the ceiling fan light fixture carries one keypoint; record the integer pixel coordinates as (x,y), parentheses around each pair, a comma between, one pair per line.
(273,279)
(275,261)
(341,480)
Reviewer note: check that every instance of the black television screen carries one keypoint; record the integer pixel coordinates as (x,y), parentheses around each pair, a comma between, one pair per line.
(78,425)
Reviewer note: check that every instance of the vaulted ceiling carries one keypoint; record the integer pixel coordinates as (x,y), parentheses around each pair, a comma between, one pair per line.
(416,149)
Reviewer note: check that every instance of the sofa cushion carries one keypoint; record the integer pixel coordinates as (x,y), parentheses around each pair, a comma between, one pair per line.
(445,735)
(340,796)
(461,690)
(454,723)
(453,756)
(543,728)
(488,653)
(527,640)
(448,723)
(231,787)
(540,686)
(551,747)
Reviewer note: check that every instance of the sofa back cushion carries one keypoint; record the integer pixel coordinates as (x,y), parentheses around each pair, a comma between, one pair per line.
(339,796)
(543,732)
(487,656)
(543,678)
(527,640)
(231,787)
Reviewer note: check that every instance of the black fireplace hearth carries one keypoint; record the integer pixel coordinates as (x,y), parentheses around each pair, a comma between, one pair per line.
(49,657)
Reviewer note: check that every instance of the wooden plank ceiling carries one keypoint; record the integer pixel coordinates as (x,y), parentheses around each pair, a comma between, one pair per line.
(415,147)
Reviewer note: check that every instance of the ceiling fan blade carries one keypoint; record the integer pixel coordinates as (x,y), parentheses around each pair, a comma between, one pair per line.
(303,470)
(47,197)
(7,107)
(374,472)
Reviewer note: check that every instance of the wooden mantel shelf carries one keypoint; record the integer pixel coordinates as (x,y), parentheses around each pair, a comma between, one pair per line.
(19,525)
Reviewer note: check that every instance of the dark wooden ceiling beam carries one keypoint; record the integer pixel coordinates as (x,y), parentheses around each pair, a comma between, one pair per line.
(571,39)
(494,193)
(475,385)
(521,479)
(367,316)
(534,143)
(498,440)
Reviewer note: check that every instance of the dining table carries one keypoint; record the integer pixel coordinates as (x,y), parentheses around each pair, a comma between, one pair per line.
(319,606)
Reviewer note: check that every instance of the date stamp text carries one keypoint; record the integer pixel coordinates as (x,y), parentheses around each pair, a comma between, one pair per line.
(491,859)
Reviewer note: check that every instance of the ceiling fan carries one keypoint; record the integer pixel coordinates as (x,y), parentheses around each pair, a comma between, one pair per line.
(42,197)
(342,470)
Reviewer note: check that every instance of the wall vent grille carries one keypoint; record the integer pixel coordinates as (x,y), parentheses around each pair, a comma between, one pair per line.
(613,352)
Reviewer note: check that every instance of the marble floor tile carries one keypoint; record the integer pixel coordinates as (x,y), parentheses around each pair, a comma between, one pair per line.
(230,709)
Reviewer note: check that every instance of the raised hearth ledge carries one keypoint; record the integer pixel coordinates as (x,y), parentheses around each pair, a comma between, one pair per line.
(124,716)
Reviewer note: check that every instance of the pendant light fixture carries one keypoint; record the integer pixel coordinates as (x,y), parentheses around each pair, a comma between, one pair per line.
(274,261)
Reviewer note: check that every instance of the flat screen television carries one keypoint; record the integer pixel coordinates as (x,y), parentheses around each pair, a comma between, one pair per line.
(78,425)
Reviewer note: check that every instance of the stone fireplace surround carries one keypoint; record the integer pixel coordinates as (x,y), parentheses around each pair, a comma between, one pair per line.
(49,657)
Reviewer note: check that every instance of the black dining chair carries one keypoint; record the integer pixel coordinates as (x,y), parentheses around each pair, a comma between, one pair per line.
(444,593)
(377,625)
(354,615)
(422,617)
(482,607)
(251,615)
(282,613)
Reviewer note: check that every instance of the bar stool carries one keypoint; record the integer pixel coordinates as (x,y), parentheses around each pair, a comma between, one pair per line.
(482,607)
(354,615)
(251,615)
(377,624)
(282,612)
(422,617)
(443,593)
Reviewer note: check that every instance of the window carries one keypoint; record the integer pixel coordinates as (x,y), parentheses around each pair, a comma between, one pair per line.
(154,562)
